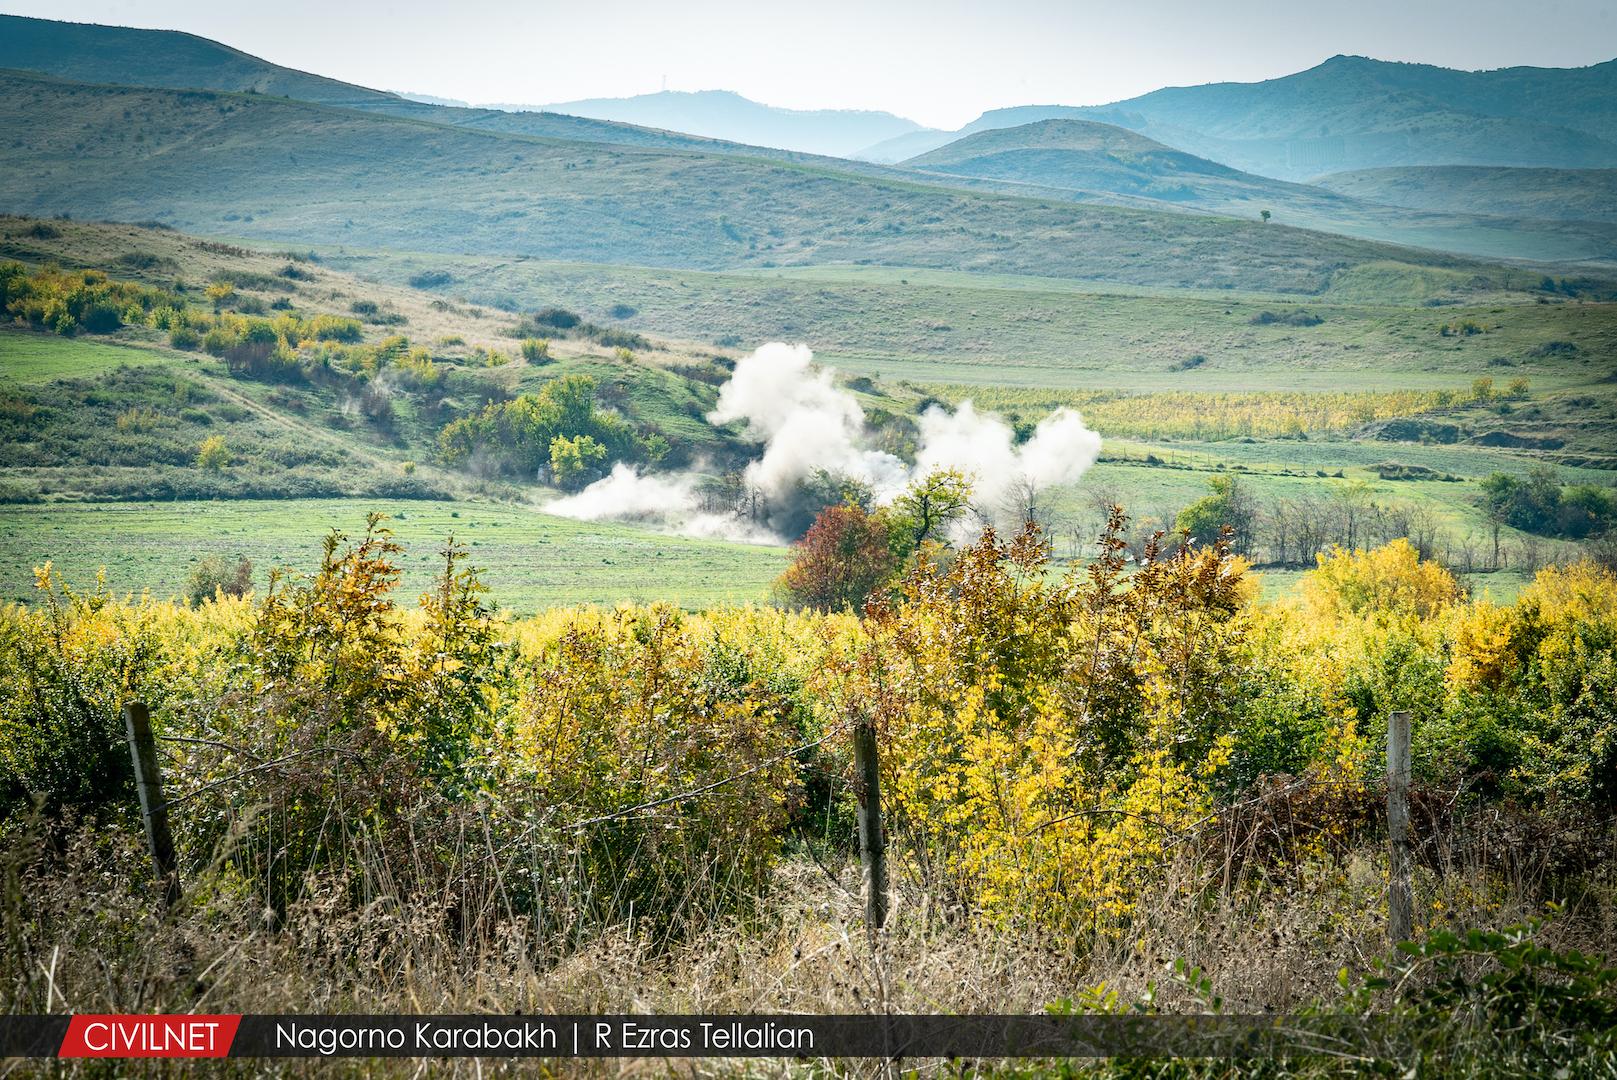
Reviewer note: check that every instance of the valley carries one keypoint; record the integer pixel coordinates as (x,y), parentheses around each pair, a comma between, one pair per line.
(1137,563)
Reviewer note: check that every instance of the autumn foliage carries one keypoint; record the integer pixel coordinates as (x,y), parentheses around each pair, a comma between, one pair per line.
(1053,737)
(840,561)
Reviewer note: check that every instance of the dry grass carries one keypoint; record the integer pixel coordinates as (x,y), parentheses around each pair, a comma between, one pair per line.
(83,933)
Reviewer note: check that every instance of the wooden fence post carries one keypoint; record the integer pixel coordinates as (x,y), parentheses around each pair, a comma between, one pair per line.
(1400,899)
(872,842)
(153,809)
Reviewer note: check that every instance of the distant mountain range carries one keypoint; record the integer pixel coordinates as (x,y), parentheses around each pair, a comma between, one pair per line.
(722,114)
(291,172)
(1349,113)
(1113,155)
(1431,206)
(1356,113)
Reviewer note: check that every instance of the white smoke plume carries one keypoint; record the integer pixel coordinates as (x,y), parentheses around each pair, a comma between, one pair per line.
(625,495)
(984,447)
(806,423)
(663,499)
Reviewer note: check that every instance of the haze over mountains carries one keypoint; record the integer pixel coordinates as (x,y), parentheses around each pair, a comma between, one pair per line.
(722,114)
(735,182)
(1351,112)
(1569,194)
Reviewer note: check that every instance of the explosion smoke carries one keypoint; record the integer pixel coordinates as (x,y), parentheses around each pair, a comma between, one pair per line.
(806,424)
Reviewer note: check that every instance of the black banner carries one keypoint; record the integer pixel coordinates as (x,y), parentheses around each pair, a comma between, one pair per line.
(785,1035)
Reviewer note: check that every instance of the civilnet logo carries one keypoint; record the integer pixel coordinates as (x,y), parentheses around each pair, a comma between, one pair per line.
(149,1036)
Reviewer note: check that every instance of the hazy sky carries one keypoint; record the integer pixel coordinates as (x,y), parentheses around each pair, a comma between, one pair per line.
(940,62)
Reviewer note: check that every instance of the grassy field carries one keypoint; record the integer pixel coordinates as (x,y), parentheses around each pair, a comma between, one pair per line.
(1007,330)
(532,560)
(37,358)
(1020,345)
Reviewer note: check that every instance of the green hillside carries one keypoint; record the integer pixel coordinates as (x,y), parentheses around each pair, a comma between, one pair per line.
(1052,159)
(1569,194)
(121,414)
(168,59)
(102,434)
(253,166)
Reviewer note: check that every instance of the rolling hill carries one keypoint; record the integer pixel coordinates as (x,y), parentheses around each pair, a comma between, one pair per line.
(170,59)
(1085,155)
(1568,194)
(1096,160)
(255,166)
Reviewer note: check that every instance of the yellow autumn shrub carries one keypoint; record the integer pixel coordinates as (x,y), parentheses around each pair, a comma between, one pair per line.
(1392,579)
(1051,739)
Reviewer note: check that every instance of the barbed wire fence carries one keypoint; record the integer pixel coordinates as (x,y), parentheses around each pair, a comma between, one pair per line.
(1277,812)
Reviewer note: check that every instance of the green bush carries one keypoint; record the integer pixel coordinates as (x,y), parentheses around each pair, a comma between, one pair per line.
(62,743)
(575,461)
(69,302)
(519,433)
(431,279)
(217,576)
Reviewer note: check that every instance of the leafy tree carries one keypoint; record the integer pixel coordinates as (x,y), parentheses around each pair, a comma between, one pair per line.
(1265,215)
(841,560)
(1227,507)
(930,505)
(518,434)
(575,461)
(1539,504)
(1390,579)
(1047,734)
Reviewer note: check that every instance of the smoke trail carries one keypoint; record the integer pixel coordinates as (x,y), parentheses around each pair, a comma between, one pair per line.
(806,424)
(625,495)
